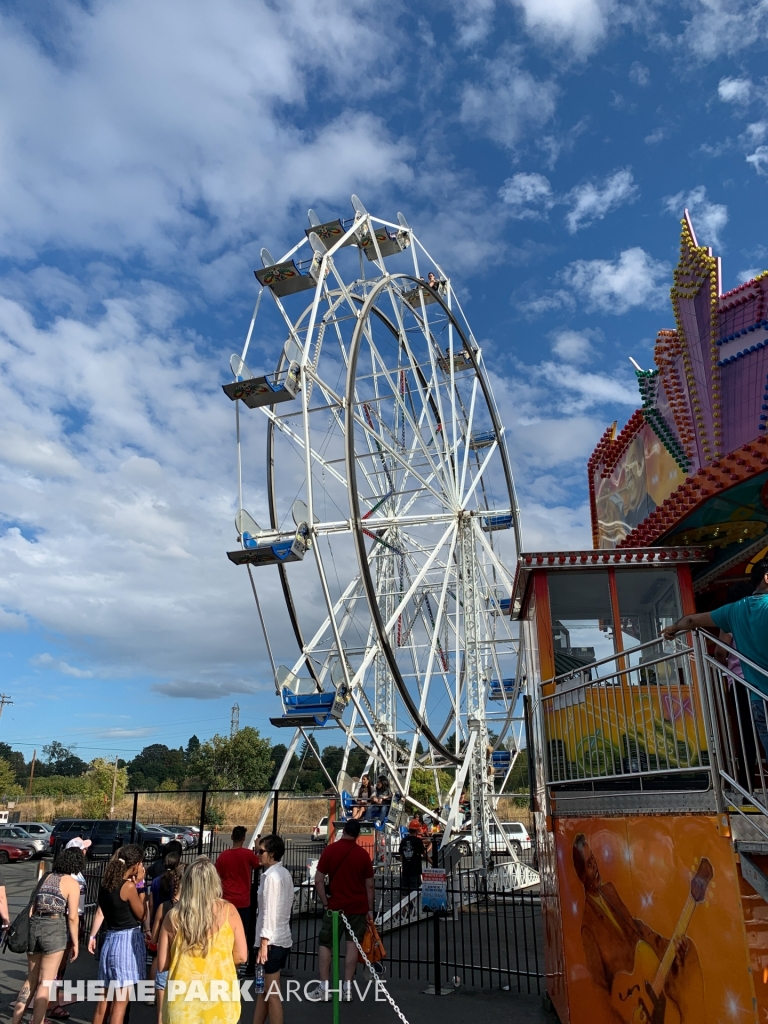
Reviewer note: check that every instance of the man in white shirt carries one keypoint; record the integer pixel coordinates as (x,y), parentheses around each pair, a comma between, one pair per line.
(273,927)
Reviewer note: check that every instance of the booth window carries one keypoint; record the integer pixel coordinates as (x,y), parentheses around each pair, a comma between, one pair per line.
(648,601)
(582,623)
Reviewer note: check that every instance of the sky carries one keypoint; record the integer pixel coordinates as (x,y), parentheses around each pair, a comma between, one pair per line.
(542,150)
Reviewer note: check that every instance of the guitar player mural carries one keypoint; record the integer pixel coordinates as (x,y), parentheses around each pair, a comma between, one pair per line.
(639,970)
(651,931)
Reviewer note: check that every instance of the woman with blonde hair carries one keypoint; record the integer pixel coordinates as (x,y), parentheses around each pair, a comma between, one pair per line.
(201,940)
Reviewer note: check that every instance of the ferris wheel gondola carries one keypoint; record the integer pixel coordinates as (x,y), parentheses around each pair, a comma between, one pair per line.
(393,439)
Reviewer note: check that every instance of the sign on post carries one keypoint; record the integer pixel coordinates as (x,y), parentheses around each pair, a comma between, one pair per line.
(434,890)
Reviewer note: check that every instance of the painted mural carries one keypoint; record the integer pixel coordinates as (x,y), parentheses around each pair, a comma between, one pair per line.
(652,924)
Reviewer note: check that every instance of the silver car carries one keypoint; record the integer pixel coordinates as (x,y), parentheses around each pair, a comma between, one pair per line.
(20,837)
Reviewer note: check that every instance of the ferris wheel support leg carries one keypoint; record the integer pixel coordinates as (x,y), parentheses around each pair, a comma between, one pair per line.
(458,788)
(278,780)
(475,689)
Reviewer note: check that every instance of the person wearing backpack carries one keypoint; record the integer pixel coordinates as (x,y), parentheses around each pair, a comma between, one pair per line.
(350,878)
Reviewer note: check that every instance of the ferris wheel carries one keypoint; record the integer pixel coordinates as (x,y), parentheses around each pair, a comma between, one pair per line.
(393,519)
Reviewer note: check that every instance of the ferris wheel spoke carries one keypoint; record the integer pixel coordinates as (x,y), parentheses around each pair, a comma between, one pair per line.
(402,406)
(283,427)
(423,324)
(468,436)
(480,473)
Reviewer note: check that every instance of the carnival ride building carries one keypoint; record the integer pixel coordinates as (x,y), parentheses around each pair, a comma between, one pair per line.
(650,784)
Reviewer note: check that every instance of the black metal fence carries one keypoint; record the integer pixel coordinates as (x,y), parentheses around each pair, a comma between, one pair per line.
(489,937)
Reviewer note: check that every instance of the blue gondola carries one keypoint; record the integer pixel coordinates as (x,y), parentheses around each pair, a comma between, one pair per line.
(495,691)
(482,439)
(502,521)
(500,762)
(271,547)
(311,708)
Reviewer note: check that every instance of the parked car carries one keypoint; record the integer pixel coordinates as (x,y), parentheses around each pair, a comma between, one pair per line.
(515,831)
(187,838)
(38,829)
(16,834)
(194,833)
(105,834)
(13,852)
(320,831)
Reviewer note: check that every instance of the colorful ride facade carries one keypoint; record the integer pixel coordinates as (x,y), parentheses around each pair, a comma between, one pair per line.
(652,833)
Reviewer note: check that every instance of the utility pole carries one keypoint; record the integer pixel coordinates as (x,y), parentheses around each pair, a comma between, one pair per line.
(234,725)
(4,699)
(114,787)
(32,773)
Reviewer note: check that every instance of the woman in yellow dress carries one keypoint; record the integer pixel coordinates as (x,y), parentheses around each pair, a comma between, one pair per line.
(201,941)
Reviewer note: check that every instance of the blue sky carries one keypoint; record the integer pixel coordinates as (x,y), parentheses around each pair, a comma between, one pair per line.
(543,150)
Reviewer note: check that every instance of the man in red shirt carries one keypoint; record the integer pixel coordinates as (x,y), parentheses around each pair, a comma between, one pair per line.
(350,880)
(234,867)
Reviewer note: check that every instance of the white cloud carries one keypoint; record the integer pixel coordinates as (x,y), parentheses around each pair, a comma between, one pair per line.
(578,25)
(200,690)
(529,196)
(735,90)
(159,129)
(590,202)
(508,103)
(720,27)
(639,74)
(748,275)
(572,346)
(473,20)
(759,159)
(708,218)
(616,286)
(48,661)
(128,733)
(656,136)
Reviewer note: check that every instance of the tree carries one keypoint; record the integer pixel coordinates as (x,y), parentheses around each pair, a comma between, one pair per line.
(278,753)
(16,760)
(100,776)
(423,786)
(61,760)
(243,761)
(7,776)
(156,764)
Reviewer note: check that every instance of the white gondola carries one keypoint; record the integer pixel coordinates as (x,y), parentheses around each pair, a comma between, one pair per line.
(414,296)
(269,389)
(461,361)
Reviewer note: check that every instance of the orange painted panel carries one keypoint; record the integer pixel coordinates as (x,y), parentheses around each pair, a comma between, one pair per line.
(544,625)
(755,911)
(627,886)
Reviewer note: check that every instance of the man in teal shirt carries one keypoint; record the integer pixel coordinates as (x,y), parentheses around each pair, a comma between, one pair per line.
(747,622)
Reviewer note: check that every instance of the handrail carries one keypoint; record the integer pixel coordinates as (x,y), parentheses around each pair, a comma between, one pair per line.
(637,721)
(739,734)
(619,671)
(610,657)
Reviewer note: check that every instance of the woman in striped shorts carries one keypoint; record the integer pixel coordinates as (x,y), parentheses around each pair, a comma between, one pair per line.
(123,953)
